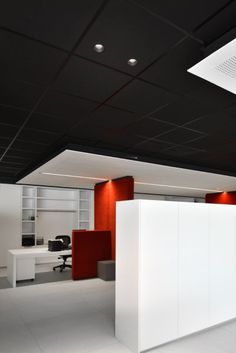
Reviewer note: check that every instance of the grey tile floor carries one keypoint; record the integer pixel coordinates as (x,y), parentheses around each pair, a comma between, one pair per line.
(44,274)
(78,317)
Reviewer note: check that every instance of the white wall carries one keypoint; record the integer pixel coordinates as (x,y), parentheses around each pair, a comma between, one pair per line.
(50,224)
(10,219)
(186,264)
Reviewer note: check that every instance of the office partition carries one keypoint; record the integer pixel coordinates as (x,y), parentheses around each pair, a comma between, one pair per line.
(176,270)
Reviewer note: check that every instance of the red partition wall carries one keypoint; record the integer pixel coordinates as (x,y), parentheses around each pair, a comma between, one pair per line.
(105,197)
(89,247)
(222,197)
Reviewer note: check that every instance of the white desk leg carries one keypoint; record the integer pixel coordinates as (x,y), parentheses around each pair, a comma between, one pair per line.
(11,269)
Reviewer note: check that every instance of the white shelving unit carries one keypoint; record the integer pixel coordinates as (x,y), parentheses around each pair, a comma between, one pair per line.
(29,194)
(49,210)
(84,209)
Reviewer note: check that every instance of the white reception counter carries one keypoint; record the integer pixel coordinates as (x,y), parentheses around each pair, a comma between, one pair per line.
(21,262)
(176,270)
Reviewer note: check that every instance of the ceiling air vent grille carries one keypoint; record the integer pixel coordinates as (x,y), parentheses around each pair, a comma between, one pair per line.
(228,67)
(219,68)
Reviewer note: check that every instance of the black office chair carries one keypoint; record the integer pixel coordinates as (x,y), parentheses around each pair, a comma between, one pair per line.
(66,242)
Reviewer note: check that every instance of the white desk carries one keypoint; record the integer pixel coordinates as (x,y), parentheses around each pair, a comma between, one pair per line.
(21,262)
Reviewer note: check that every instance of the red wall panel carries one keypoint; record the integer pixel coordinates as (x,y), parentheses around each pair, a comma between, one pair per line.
(222,197)
(105,197)
(89,247)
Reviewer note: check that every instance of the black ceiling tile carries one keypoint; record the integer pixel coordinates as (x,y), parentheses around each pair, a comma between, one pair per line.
(18,93)
(123,140)
(152,146)
(86,79)
(14,158)
(52,22)
(148,128)
(8,131)
(19,152)
(109,117)
(78,141)
(4,142)
(2,149)
(50,123)
(13,163)
(141,97)
(187,14)
(111,147)
(219,122)
(27,60)
(212,143)
(38,136)
(126,31)
(212,96)
(108,135)
(29,145)
(219,24)
(182,151)
(180,136)
(231,110)
(84,131)
(180,111)
(9,168)
(98,134)
(12,116)
(171,70)
(65,106)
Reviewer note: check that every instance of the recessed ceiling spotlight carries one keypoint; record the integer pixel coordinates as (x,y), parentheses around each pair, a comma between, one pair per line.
(132,62)
(99,48)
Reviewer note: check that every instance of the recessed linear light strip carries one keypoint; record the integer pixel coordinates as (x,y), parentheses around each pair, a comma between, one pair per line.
(136,182)
(74,176)
(176,187)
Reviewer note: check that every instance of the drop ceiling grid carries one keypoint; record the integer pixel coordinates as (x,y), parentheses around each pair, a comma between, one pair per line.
(133,92)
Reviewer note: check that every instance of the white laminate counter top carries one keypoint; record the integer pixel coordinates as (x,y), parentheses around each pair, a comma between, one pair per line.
(38,252)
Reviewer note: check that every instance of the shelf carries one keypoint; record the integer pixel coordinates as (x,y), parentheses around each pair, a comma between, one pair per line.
(55,210)
(28,208)
(28,197)
(25,221)
(84,221)
(28,233)
(56,188)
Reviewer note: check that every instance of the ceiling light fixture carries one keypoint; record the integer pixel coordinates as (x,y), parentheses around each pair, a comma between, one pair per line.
(74,176)
(219,68)
(176,187)
(132,62)
(99,48)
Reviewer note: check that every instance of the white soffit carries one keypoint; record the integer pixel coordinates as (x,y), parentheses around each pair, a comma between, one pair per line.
(83,170)
(219,68)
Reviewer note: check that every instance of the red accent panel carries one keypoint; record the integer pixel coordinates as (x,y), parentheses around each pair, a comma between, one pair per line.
(105,197)
(101,205)
(222,197)
(89,247)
